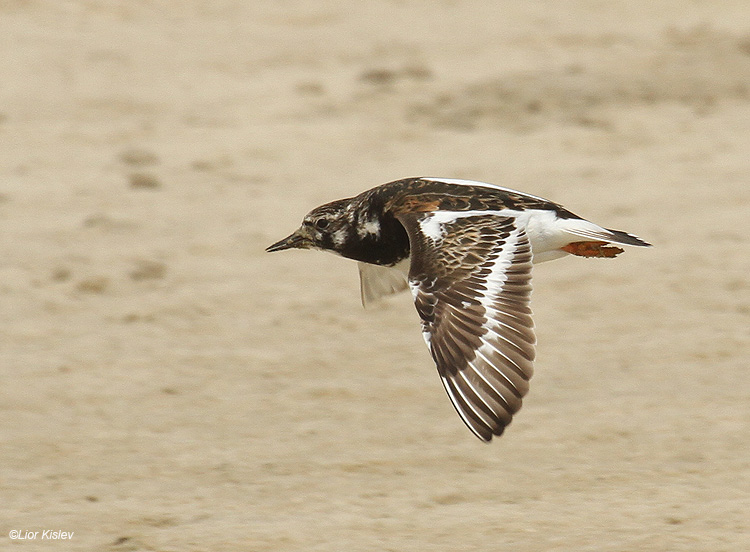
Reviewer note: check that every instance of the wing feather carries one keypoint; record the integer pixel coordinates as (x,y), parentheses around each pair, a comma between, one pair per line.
(471,280)
(380,281)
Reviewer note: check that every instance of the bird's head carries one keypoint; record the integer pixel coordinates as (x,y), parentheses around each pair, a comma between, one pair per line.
(326,227)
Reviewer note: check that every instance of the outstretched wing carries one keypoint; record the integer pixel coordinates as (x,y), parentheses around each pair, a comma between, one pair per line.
(471,280)
(377,281)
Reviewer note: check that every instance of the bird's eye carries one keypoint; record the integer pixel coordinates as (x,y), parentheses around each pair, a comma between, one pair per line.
(321,224)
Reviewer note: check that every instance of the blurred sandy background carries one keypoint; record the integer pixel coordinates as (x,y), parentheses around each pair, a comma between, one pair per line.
(167,386)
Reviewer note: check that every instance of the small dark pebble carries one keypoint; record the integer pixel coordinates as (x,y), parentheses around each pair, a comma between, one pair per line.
(144,181)
(148,270)
(138,157)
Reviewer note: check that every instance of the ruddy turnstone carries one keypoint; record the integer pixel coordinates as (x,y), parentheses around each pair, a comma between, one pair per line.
(465,249)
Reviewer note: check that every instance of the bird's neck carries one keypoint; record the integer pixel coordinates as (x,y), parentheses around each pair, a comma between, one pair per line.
(376,238)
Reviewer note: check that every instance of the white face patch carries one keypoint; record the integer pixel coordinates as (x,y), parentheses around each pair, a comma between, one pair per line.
(339,237)
(370,227)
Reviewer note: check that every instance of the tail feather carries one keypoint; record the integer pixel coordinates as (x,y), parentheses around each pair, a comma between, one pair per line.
(586,229)
(627,239)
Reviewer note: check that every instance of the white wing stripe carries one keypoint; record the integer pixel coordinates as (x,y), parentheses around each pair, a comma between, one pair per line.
(545,231)
(432,227)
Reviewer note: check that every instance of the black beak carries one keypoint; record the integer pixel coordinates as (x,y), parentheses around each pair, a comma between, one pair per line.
(295,241)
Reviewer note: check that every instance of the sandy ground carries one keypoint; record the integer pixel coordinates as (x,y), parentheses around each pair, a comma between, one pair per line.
(168,386)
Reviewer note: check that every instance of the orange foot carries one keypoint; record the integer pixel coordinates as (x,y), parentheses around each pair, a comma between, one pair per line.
(592,249)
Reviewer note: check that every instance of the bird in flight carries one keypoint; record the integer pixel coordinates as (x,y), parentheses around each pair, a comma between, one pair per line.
(465,249)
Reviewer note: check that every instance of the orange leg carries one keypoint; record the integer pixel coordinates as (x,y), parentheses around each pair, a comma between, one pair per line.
(592,249)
